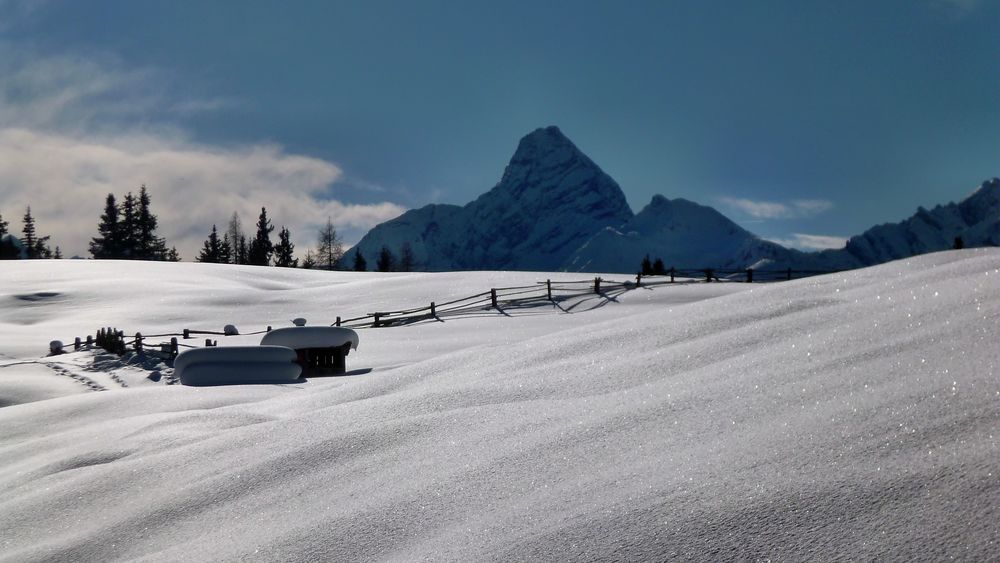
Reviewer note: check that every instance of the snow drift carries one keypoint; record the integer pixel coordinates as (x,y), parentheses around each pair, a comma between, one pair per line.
(846,416)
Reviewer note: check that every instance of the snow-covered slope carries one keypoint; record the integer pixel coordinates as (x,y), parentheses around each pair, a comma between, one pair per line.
(682,234)
(550,200)
(848,416)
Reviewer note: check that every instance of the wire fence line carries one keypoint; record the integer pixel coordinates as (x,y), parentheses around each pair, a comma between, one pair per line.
(116,341)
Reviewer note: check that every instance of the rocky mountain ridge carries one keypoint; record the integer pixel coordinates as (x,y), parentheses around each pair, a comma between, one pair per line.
(555,209)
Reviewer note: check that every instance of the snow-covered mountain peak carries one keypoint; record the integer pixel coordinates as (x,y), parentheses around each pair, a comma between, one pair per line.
(550,200)
(673,214)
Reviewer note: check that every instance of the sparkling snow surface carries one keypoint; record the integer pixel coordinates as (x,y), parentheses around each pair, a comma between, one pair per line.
(849,416)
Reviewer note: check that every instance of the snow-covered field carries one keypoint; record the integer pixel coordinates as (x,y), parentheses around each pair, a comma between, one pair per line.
(849,416)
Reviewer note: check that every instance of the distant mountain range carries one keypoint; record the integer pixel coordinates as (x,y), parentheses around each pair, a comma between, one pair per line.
(555,209)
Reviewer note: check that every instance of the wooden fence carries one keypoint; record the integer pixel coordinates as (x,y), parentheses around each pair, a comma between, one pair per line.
(115,341)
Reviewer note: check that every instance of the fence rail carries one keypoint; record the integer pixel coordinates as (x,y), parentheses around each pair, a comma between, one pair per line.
(115,341)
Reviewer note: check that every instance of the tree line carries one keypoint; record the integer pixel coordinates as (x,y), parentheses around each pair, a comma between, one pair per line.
(235,247)
(30,246)
(127,230)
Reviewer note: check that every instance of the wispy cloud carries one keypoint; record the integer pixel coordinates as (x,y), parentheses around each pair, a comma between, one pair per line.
(957,7)
(811,242)
(794,209)
(69,135)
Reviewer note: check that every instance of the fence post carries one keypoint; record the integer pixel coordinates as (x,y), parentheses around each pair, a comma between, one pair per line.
(789,274)
(671,274)
(90,342)
(76,343)
(208,343)
(268,328)
(638,279)
(708,275)
(493,298)
(138,343)
(338,322)
(173,347)
(433,310)
(749,275)
(597,285)
(187,334)
(376,323)
(548,287)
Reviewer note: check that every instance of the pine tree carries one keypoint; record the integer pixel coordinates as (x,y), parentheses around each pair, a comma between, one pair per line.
(28,231)
(9,249)
(105,244)
(211,252)
(360,264)
(658,268)
(406,257)
(128,228)
(242,251)
(309,262)
(225,249)
(147,245)
(3,226)
(329,247)
(647,266)
(284,251)
(386,261)
(173,255)
(58,253)
(42,249)
(261,247)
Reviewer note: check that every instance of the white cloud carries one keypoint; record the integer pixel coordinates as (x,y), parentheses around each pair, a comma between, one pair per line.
(811,242)
(794,209)
(68,137)
(66,178)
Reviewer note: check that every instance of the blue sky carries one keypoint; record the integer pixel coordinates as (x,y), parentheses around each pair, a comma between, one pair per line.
(799,120)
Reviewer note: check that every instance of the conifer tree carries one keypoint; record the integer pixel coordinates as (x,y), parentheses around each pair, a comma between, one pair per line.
(261,247)
(406,257)
(147,245)
(28,231)
(309,262)
(329,247)
(9,249)
(211,252)
(58,253)
(360,264)
(658,268)
(242,251)
(386,261)
(42,249)
(3,226)
(105,244)
(173,255)
(647,266)
(128,228)
(284,251)
(225,249)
